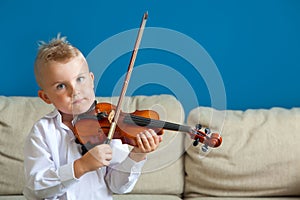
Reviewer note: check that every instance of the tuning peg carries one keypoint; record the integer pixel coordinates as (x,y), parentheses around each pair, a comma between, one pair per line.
(207,130)
(204,148)
(196,142)
(198,126)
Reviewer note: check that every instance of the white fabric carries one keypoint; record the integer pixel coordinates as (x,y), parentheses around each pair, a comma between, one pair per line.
(49,153)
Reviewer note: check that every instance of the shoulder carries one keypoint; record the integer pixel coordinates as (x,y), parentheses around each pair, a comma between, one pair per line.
(40,133)
(44,124)
(47,119)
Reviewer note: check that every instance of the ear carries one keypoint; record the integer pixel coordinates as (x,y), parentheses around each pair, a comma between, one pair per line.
(92,77)
(44,96)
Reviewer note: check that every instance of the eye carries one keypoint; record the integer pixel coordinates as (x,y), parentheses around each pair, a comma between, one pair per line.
(80,79)
(60,86)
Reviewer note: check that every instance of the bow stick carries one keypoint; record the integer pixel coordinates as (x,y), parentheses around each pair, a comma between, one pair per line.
(127,78)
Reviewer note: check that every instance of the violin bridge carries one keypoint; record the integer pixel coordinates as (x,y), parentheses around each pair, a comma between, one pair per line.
(111,116)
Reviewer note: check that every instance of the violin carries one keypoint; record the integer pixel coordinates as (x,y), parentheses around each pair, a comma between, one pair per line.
(104,122)
(92,128)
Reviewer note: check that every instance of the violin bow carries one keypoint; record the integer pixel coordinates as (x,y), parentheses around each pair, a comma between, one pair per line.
(127,78)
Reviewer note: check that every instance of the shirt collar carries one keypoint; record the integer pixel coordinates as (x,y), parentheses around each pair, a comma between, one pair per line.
(55,114)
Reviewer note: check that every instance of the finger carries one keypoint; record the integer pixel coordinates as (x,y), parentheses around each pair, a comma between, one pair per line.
(106,148)
(107,152)
(151,143)
(144,137)
(148,140)
(106,162)
(156,138)
(101,152)
(140,142)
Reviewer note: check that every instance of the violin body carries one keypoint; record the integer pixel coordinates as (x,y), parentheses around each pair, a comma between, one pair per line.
(92,127)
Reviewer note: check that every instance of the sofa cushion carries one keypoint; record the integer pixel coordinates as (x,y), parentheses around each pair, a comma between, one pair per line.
(16,119)
(146,197)
(244,198)
(18,114)
(259,156)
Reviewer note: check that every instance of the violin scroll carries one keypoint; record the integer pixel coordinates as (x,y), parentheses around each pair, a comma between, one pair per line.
(204,136)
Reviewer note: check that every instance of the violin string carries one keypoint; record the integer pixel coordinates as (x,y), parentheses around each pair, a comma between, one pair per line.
(143,121)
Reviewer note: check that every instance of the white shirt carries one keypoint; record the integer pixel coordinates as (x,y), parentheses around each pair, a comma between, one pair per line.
(49,154)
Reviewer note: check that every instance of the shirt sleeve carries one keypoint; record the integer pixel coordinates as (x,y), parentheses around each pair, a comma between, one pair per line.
(124,172)
(43,177)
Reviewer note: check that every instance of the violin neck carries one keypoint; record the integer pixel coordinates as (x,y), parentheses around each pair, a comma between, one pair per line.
(153,123)
(176,127)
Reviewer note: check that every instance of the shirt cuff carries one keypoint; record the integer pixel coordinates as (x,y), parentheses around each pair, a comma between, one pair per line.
(135,167)
(66,174)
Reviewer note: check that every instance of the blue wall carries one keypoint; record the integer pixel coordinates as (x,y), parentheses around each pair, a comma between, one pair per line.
(255,45)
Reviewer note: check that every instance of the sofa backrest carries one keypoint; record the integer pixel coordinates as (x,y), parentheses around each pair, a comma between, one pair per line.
(18,114)
(259,156)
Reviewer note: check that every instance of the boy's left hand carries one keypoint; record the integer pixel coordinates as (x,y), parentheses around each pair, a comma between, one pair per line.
(147,141)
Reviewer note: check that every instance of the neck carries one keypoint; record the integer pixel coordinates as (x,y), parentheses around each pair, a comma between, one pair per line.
(67,119)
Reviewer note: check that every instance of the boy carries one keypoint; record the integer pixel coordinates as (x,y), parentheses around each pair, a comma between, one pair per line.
(54,165)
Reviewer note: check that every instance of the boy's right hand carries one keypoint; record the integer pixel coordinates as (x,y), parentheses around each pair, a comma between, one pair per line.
(94,159)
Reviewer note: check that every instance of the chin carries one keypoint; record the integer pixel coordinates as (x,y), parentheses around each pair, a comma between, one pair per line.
(81,108)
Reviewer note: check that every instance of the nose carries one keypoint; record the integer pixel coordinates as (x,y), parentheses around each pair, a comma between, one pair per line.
(73,90)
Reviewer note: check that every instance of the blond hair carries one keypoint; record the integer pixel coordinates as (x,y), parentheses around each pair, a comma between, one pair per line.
(57,49)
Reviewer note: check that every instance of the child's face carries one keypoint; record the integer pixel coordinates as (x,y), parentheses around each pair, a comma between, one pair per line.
(68,86)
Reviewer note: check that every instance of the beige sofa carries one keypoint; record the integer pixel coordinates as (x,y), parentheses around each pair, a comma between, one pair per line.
(258,159)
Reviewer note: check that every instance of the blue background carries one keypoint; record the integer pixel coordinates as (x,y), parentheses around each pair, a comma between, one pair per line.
(254,43)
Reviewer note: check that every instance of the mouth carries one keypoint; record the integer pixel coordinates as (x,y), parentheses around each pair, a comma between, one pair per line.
(81,105)
(77,101)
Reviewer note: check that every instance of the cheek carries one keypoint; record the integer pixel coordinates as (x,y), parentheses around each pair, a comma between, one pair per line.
(63,103)
(89,89)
